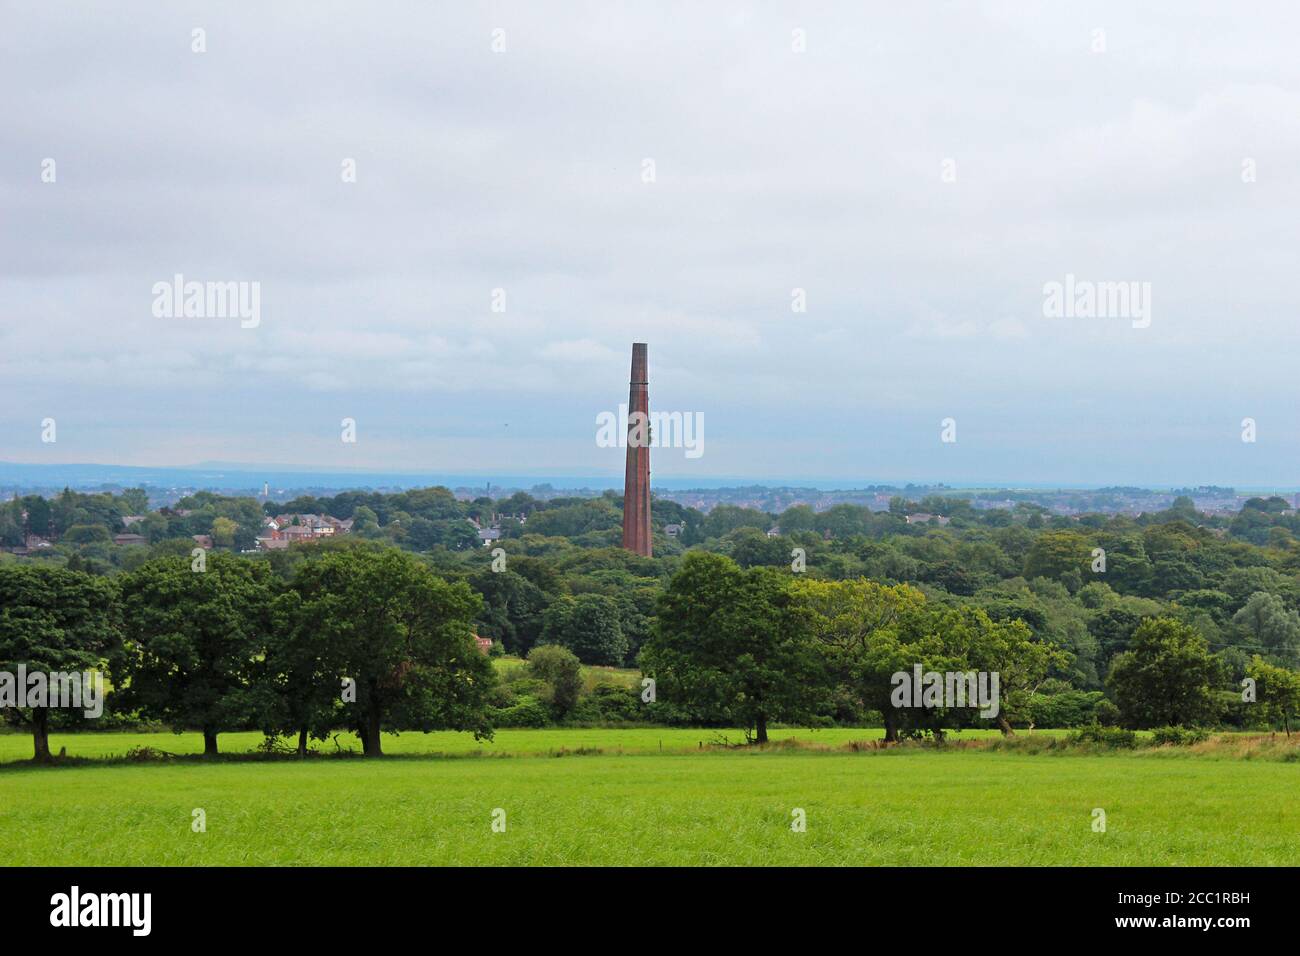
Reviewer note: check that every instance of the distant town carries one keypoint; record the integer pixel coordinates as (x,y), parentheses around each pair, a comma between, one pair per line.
(1209,500)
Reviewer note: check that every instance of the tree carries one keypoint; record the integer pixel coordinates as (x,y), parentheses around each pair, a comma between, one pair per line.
(193,640)
(1055,553)
(856,626)
(1167,677)
(135,500)
(587,625)
(223,532)
(562,671)
(1277,691)
(513,608)
(735,646)
(1270,624)
(407,639)
(304,669)
(88,534)
(53,619)
(872,632)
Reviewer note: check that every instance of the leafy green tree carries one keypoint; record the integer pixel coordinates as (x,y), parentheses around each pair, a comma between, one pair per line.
(750,548)
(1055,553)
(1269,624)
(560,668)
(88,534)
(589,626)
(302,675)
(734,645)
(135,501)
(408,642)
(53,619)
(193,640)
(513,608)
(223,532)
(1167,677)
(1277,692)
(856,625)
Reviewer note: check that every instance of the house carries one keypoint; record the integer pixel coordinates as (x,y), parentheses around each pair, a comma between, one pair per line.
(489,535)
(130,539)
(272,544)
(484,643)
(673,530)
(203,541)
(774,531)
(128,520)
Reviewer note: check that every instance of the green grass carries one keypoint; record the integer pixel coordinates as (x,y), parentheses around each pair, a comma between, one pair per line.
(509,667)
(18,747)
(902,807)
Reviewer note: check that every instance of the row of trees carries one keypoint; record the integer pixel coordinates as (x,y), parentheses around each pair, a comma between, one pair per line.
(368,640)
(754,646)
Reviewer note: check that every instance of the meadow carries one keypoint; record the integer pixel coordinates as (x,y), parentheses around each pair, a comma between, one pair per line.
(630,804)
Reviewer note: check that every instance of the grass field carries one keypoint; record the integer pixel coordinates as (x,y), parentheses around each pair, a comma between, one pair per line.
(903,807)
(18,747)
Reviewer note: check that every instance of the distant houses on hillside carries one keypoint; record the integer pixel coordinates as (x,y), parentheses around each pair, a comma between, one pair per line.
(490,532)
(283,530)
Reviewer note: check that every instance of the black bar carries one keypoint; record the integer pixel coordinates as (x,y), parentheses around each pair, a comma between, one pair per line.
(333,905)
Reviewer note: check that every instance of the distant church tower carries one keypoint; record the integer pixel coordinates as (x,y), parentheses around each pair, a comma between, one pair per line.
(636,481)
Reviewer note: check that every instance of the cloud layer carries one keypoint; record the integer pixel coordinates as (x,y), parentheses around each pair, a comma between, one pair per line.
(919,174)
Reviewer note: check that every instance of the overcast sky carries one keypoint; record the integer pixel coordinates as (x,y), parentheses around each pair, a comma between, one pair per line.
(920,170)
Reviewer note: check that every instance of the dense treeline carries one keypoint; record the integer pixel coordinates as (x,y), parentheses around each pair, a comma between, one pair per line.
(1093,615)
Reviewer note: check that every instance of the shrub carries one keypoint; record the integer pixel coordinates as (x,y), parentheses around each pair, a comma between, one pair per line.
(562,672)
(610,703)
(1106,712)
(527,712)
(1070,708)
(1113,737)
(1178,736)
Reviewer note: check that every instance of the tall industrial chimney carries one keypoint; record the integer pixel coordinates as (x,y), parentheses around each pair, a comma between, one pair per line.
(636,481)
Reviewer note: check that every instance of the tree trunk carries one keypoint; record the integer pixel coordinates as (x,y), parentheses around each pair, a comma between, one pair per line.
(209,742)
(370,742)
(1005,726)
(760,732)
(891,727)
(41,734)
(302,742)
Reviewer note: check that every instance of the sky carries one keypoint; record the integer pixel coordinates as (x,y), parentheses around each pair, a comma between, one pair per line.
(540,184)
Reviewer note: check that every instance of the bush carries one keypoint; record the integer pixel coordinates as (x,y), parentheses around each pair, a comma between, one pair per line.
(528,712)
(608,704)
(1106,712)
(1070,708)
(1113,737)
(562,672)
(1178,736)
